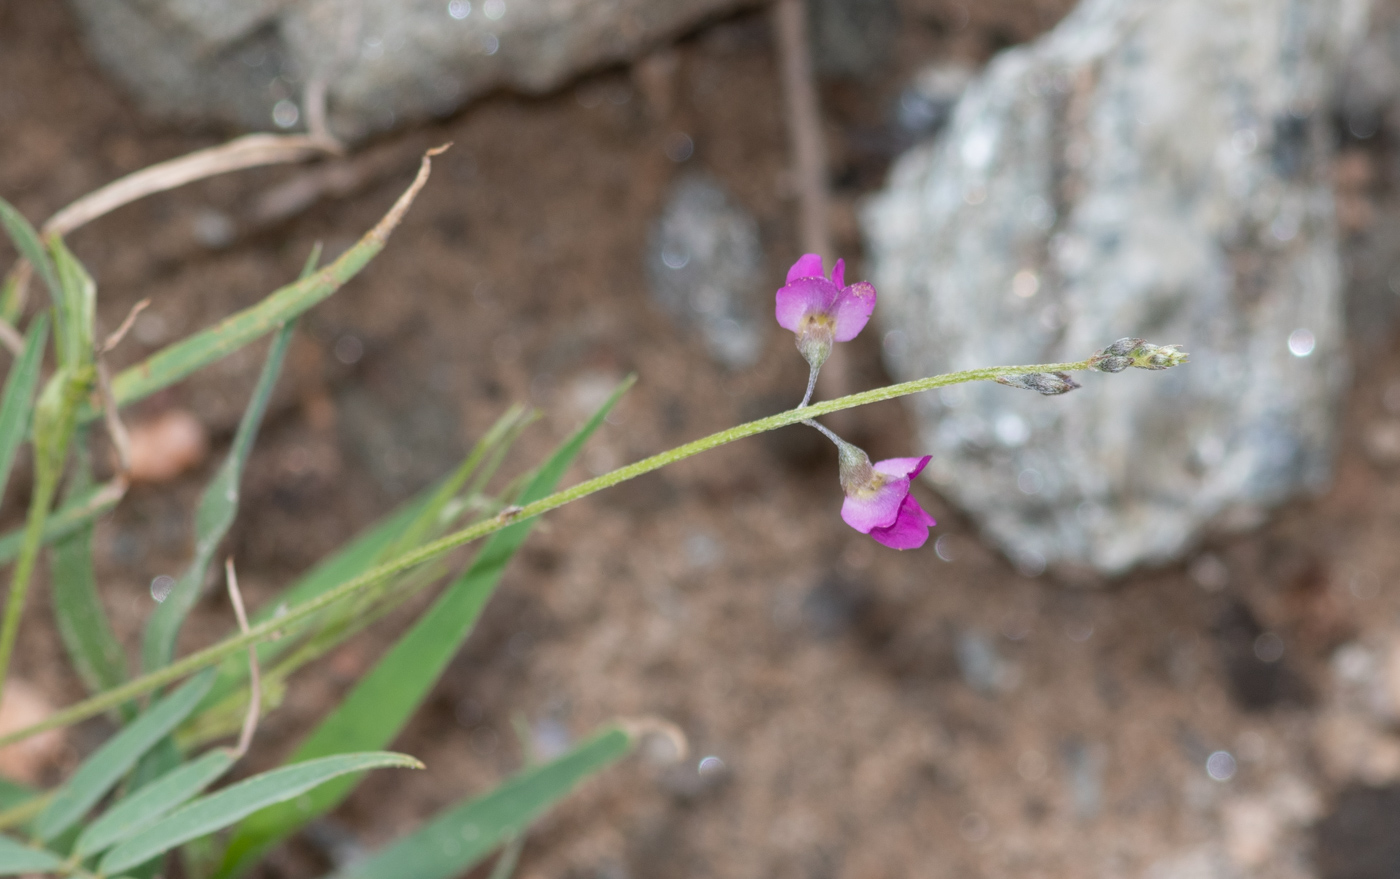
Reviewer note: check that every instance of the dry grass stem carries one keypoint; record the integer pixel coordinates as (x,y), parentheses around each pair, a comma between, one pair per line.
(386,225)
(249,151)
(111,417)
(250,721)
(116,337)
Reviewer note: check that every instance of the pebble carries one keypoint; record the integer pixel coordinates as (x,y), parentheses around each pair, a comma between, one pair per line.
(24,705)
(166,446)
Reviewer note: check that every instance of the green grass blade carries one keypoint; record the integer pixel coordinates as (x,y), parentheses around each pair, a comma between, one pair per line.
(372,714)
(68,518)
(220,809)
(100,772)
(17,858)
(427,522)
(82,621)
(12,794)
(153,802)
(462,836)
(18,397)
(178,360)
(429,508)
(217,509)
(27,242)
(75,311)
(54,422)
(355,557)
(11,303)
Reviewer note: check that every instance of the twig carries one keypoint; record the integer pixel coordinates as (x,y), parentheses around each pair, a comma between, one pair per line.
(111,417)
(250,722)
(249,151)
(111,413)
(804,124)
(334,179)
(116,337)
(315,100)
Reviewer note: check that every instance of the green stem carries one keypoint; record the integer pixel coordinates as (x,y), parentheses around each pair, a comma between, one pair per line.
(271,627)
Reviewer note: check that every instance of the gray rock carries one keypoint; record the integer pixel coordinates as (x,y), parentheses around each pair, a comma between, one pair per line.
(704,262)
(1152,169)
(383,62)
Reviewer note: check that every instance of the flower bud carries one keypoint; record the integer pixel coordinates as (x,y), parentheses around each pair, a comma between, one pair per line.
(1116,357)
(1158,356)
(1139,353)
(1047,383)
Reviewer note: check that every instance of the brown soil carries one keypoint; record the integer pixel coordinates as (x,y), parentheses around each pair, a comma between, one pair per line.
(833,679)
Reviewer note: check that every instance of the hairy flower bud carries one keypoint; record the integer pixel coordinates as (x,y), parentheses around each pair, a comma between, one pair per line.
(1047,383)
(1158,356)
(1116,357)
(1139,353)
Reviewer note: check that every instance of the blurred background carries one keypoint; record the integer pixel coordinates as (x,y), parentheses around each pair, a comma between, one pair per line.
(1158,633)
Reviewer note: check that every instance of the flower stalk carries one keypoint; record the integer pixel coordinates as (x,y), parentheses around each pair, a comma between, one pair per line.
(429,551)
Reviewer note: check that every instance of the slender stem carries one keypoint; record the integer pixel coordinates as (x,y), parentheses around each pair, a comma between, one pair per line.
(428,551)
(829,434)
(811,386)
(24,570)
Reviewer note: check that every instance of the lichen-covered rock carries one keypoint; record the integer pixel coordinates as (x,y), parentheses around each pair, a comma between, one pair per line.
(383,62)
(1150,168)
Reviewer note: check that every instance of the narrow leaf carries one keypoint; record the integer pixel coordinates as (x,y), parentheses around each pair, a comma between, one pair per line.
(217,509)
(460,837)
(27,242)
(372,714)
(427,520)
(54,422)
(82,621)
(12,794)
(11,300)
(74,312)
(178,360)
(217,810)
(101,771)
(18,397)
(68,518)
(423,516)
(153,802)
(17,858)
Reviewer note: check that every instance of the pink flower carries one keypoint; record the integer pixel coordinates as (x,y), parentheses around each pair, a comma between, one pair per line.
(878,501)
(822,310)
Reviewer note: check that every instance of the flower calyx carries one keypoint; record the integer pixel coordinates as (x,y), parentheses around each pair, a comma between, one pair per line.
(1048,383)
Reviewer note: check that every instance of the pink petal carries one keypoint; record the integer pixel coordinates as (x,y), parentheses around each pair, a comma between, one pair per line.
(808,266)
(910,527)
(878,509)
(801,297)
(838,273)
(852,310)
(900,468)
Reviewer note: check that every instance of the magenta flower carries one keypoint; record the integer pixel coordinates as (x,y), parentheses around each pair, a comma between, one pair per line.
(822,310)
(878,501)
